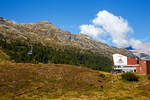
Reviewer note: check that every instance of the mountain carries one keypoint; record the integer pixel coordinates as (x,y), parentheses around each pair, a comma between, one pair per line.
(50,44)
(48,34)
(129,48)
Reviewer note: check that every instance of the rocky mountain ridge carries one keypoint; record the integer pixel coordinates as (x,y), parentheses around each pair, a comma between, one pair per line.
(46,33)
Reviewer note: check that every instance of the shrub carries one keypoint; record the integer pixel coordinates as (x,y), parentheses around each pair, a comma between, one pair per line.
(148,77)
(129,76)
(101,75)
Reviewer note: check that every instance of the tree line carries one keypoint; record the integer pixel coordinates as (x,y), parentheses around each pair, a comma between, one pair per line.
(18,51)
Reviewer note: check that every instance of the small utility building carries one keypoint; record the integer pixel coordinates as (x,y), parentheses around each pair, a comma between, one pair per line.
(127,64)
(124,63)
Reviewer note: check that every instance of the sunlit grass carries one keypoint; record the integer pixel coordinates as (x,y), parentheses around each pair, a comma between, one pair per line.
(67,82)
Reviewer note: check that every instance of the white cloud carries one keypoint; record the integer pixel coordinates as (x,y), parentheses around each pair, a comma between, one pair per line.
(91,30)
(115,27)
(135,43)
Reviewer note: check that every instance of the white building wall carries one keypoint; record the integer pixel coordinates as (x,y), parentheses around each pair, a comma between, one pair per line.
(119,60)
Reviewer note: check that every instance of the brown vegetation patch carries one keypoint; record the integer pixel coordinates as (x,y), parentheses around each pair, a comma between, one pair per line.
(50,79)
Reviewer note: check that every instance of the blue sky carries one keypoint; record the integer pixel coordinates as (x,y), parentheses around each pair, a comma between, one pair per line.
(70,14)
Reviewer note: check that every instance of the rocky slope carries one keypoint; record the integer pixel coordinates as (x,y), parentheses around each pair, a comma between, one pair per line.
(48,34)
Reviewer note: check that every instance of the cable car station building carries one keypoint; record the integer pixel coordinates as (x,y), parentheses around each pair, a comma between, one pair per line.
(127,64)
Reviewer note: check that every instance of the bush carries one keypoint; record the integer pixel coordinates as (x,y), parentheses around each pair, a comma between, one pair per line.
(129,76)
(101,75)
(148,77)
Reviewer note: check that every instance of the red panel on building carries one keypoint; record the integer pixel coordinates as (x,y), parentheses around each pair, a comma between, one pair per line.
(132,61)
(144,67)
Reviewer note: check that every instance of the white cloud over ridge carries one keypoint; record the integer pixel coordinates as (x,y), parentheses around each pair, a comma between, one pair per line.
(115,27)
(137,44)
(91,30)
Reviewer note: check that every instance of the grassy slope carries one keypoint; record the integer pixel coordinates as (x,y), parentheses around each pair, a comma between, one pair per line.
(3,57)
(66,82)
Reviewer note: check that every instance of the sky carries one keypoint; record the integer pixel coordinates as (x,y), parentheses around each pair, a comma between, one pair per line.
(119,23)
